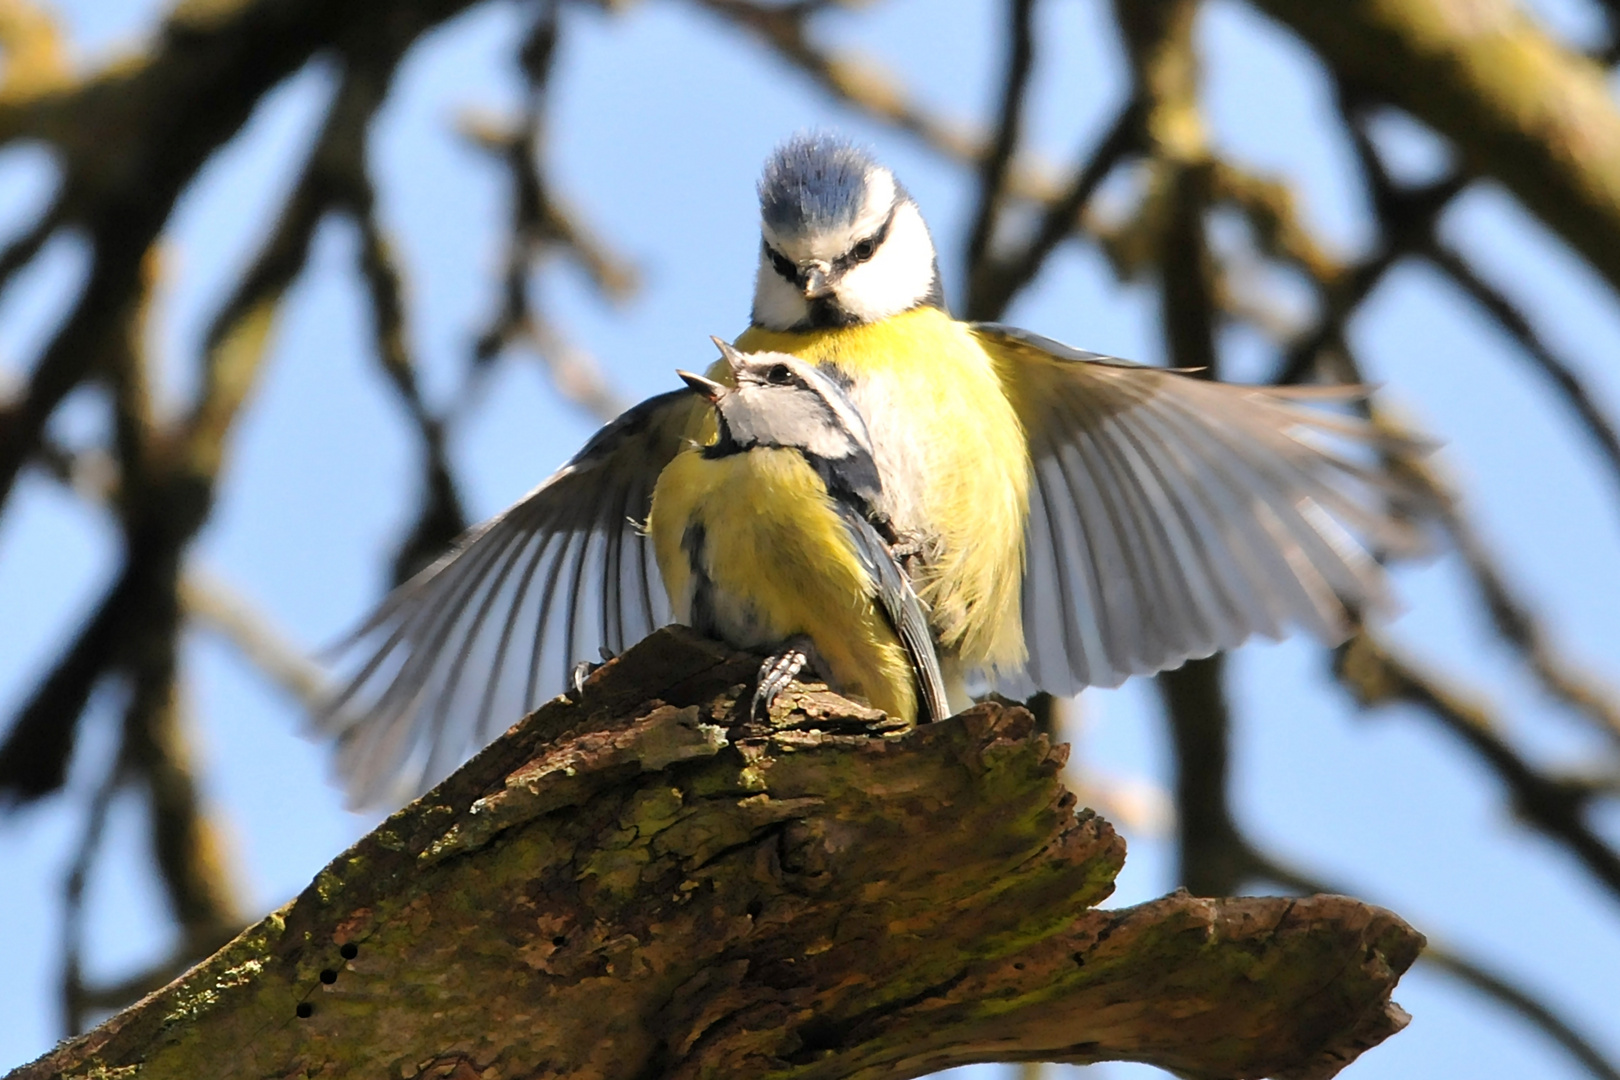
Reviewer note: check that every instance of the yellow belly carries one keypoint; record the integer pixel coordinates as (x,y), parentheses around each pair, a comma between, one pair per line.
(954,462)
(779,563)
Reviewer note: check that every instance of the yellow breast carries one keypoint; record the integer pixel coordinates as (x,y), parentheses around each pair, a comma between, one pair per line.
(954,463)
(777,561)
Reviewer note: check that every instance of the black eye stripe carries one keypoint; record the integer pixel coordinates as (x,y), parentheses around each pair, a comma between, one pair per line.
(782,264)
(870,244)
(859,252)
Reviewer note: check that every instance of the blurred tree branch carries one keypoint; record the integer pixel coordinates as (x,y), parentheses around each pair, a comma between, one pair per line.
(1517,105)
(1377,676)
(167,473)
(1261,867)
(541,227)
(996,160)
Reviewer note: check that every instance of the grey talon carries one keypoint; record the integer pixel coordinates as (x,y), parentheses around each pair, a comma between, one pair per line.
(775,675)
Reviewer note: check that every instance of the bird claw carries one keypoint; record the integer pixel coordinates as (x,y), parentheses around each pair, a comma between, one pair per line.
(911,548)
(586,668)
(775,675)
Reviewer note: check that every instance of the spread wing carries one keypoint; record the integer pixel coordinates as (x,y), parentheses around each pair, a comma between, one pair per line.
(904,610)
(493,628)
(1172,517)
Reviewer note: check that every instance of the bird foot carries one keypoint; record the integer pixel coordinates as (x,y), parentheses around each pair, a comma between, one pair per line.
(777,674)
(585,668)
(911,548)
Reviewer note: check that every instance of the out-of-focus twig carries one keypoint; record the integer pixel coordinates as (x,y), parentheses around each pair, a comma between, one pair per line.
(441,517)
(75,1006)
(1270,208)
(31,47)
(998,156)
(167,475)
(542,226)
(1409,220)
(1159,40)
(1519,106)
(1515,621)
(1377,675)
(1580,400)
(1406,217)
(211,602)
(1516,999)
(859,82)
(1472,973)
(998,280)
(22,249)
(187,844)
(205,598)
(130,138)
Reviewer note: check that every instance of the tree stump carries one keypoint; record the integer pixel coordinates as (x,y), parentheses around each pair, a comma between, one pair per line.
(637,882)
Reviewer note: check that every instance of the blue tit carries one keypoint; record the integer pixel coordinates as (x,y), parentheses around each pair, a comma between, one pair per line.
(768,538)
(1081,519)
(1068,519)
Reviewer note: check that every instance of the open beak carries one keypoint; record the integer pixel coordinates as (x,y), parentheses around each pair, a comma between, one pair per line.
(708,389)
(729,353)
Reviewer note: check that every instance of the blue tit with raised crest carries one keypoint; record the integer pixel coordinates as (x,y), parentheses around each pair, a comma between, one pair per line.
(1067,519)
(768,538)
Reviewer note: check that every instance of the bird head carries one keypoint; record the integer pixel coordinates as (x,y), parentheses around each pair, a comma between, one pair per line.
(779,400)
(842,242)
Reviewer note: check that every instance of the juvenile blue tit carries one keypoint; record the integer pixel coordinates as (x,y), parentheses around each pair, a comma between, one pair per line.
(1068,519)
(768,538)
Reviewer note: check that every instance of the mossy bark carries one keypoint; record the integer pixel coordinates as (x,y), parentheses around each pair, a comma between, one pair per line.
(635,884)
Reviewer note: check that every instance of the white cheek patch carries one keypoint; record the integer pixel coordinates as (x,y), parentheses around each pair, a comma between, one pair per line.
(778,303)
(895,279)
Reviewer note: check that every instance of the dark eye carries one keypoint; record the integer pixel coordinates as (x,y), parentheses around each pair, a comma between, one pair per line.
(782,264)
(779,374)
(863,250)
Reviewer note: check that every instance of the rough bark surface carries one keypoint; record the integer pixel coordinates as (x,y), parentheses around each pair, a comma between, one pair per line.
(634,884)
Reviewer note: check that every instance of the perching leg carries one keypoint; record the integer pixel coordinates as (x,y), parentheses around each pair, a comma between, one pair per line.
(584,668)
(778,672)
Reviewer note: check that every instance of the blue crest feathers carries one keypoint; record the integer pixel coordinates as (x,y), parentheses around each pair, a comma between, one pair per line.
(814,181)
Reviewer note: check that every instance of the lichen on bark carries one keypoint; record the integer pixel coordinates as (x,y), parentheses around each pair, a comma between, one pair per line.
(637,881)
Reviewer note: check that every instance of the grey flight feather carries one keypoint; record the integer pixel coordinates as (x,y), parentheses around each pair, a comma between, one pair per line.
(902,608)
(495,627)
(1172,517)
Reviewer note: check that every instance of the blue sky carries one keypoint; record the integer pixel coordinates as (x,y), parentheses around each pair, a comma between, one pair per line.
(661,117)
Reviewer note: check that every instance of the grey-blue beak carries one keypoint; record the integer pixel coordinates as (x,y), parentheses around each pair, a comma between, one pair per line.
(815,280)
(708,389)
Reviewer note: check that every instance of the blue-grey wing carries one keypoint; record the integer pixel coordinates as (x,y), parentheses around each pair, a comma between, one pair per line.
(1172,517)
(477,640)
(904,611)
